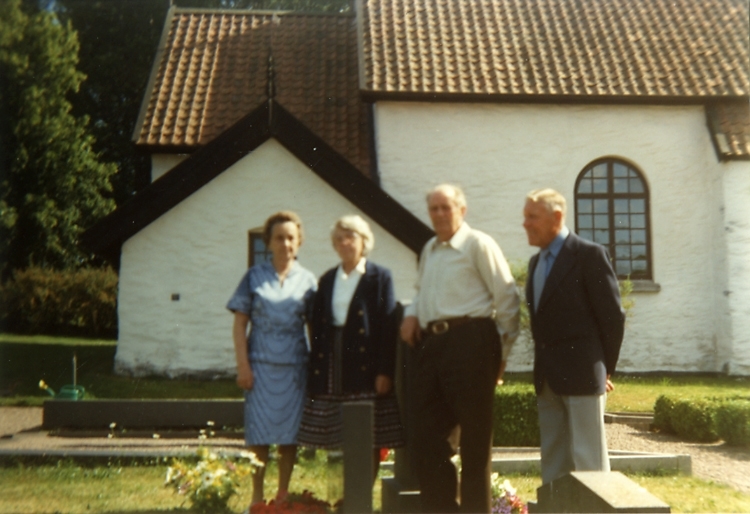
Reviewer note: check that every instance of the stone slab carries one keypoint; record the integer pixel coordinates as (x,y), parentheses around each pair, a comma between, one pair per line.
(358,457)
(596,491)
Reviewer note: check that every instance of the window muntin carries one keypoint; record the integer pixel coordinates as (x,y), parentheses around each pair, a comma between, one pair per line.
(612,209)
(257,253)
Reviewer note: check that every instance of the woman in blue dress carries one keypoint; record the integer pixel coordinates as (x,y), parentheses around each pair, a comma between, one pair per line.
(273,299)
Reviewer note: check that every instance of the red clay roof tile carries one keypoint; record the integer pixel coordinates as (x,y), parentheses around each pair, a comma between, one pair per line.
(624,48)
(214,70)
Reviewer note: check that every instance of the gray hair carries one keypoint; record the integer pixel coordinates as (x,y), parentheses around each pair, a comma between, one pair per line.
(451,190)
(551,199)
(355,223)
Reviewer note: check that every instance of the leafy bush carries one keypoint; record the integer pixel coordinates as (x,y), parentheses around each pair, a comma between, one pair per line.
(663,414)
(81,303)
(693,420)
(515,419)
(733,422)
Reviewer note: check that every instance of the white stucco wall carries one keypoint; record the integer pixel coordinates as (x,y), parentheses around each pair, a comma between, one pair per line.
(163,162)
(737,229)
(498,153)
(199,250)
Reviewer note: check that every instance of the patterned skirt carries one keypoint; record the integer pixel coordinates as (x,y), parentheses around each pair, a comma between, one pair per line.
(322,417)
(273,407)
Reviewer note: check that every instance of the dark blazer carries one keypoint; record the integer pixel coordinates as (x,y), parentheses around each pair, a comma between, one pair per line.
(369,333)
(579,325)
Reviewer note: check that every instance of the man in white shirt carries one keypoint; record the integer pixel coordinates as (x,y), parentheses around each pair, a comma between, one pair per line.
(462,324)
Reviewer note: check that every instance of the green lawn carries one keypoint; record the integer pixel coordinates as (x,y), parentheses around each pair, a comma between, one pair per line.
(24,360)
(68,488)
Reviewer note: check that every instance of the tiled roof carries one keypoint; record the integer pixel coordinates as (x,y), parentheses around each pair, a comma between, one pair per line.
(730,127)
(213,69)
(576,48)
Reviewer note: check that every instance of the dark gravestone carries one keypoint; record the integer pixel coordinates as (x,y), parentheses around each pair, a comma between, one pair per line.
(134,414)
(400,494)
(358,455)
(595,491)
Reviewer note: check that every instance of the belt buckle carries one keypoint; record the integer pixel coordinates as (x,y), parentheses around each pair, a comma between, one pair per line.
(440,327)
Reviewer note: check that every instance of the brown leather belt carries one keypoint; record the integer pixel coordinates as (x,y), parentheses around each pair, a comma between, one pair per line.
(441,326)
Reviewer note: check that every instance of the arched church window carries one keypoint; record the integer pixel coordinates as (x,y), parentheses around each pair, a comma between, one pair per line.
(612,209)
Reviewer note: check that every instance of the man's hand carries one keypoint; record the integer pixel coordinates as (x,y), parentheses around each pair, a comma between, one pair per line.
(410,331)
(383,384)
(610,386)
(245,377)
(500,374)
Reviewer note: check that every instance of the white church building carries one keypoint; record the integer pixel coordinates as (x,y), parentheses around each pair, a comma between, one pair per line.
(638,111)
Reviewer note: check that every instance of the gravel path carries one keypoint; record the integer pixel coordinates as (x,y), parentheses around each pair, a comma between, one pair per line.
(711,461)
(20,427)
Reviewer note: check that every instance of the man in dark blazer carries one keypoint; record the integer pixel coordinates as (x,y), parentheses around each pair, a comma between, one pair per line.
(577,323)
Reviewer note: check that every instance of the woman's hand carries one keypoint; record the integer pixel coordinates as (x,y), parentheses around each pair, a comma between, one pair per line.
(245,377)
(383,385)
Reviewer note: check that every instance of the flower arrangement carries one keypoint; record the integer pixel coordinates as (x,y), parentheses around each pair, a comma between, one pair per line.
(210,482)
(504,498)
(304,503)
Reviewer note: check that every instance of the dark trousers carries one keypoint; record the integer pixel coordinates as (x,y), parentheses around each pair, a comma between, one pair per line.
(454,384)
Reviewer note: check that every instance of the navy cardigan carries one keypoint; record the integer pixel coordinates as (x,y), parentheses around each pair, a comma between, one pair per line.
(369,347)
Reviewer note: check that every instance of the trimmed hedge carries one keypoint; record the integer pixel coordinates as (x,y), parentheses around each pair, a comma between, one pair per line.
(704,419)
(693,420)
(515,419)
(79,303)
(663,414)
(733,422)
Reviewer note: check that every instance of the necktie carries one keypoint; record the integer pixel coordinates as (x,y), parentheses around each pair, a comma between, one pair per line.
(540,276)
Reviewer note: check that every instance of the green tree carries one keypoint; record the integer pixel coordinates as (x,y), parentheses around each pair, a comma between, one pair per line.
(52,183)
(118,39)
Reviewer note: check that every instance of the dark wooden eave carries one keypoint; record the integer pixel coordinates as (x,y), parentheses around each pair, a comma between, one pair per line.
(268,120)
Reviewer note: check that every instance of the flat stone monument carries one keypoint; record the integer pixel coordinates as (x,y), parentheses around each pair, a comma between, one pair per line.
(595,491)
(358,455)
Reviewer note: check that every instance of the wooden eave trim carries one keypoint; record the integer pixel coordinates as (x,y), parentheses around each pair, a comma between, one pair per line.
(374,96)
(345,178)
(107,236)
(173,149)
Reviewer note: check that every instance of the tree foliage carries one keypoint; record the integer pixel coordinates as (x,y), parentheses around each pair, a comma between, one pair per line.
(52,182)
(118,43)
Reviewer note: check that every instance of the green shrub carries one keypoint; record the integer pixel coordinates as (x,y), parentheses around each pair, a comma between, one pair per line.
(663,414)
(733,422)
(693,420)
(81,303)
(515,419)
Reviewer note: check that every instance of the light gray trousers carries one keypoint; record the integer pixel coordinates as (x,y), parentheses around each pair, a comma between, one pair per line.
(572,434)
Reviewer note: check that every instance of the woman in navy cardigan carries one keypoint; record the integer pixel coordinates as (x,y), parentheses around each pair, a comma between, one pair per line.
(353,343)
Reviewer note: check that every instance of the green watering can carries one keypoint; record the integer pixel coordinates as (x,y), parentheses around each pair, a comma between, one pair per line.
(67,392)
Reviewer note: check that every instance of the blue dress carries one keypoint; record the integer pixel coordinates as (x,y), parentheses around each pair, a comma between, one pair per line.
(277,350)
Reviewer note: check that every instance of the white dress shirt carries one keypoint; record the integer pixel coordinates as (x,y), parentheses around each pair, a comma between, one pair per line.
(466,276)
(343,290)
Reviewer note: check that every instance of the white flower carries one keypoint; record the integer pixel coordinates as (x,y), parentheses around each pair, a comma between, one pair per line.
(509,489)
(210,423)
(170,475)
(112,425)
(156,436)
